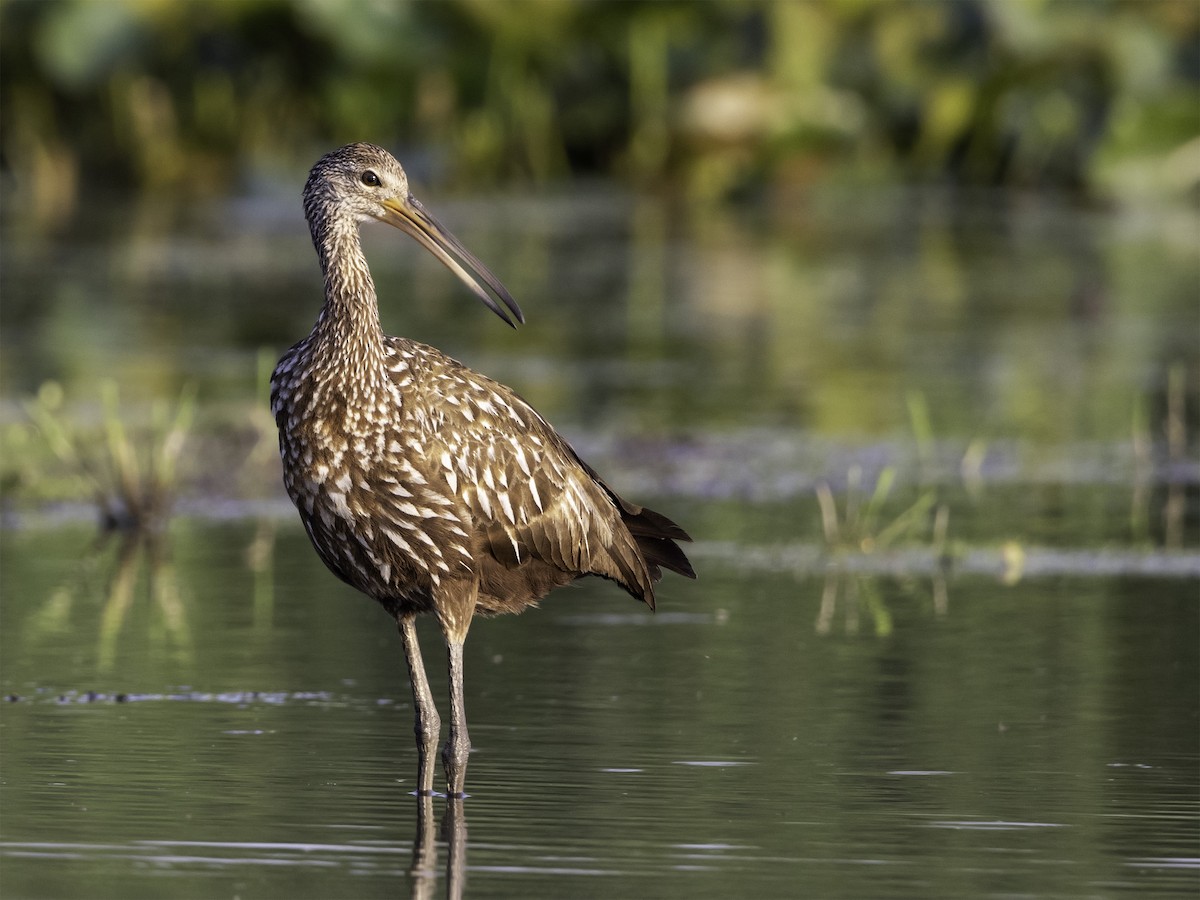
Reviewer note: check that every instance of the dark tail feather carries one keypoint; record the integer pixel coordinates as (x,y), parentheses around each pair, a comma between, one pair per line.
(642,521)
(656,536)
(665,553)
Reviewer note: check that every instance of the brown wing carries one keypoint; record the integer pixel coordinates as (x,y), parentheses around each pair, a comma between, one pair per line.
(530,501)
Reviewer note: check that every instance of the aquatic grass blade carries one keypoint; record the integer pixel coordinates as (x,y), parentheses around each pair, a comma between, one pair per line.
(883,488)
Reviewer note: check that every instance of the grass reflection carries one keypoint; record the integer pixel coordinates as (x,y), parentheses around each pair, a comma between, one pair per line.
(856,592)
(861,596)
(260,560)
(140,591)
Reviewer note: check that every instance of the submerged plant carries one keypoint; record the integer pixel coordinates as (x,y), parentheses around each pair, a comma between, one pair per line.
(1159,454)
(131,477)
(859,526)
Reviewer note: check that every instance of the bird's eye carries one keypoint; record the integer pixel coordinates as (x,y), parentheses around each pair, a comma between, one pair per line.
(370,179)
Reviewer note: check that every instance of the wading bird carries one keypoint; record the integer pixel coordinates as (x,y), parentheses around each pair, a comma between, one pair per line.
(423,484)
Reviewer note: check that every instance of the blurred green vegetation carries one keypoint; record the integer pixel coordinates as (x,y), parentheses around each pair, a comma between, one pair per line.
(131,477)
(713,98)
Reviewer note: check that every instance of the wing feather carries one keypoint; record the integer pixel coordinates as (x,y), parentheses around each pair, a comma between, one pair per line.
(525,492)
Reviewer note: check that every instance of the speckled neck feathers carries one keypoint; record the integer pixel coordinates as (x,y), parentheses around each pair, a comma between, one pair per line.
(347,330)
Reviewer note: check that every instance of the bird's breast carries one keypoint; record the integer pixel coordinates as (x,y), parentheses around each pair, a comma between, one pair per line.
(356,470)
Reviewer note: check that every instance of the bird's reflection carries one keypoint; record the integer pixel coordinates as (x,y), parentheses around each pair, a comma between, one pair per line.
(423,873)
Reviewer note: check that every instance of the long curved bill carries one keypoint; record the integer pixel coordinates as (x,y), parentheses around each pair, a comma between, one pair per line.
(410,217)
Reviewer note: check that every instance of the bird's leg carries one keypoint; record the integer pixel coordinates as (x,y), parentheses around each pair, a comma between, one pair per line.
(458,744)
(428,725)
(455,605)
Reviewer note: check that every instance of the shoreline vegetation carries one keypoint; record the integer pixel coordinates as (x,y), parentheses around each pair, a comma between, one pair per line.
(713,101)
(878,507)
(738,119)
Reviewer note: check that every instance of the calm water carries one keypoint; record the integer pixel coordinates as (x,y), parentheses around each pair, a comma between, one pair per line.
(1014,712)
(1036,739)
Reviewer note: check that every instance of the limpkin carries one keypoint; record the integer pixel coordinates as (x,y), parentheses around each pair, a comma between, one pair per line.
(423,484)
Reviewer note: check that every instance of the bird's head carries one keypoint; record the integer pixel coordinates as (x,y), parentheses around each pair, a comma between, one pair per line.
(359,182)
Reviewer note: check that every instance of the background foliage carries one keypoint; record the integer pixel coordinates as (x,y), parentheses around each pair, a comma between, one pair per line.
(716,97)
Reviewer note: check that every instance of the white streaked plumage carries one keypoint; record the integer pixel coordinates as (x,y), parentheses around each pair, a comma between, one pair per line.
(425,485)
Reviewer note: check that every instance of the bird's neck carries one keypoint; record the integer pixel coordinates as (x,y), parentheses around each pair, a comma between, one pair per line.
(348,327)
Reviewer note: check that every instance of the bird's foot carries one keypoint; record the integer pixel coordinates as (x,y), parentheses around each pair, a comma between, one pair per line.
(454,759)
